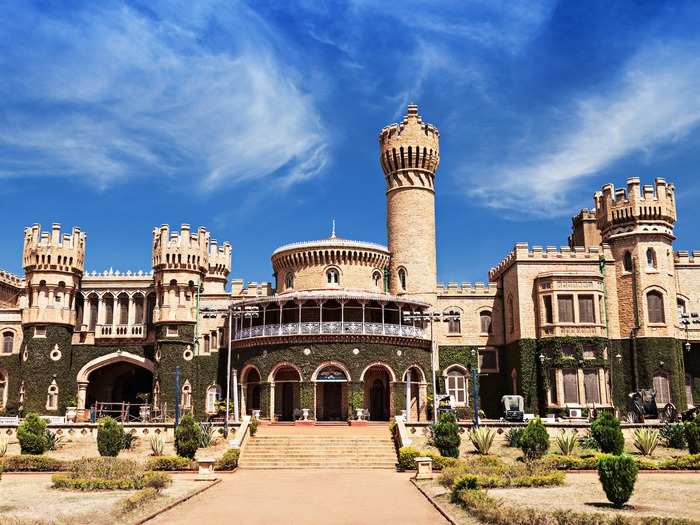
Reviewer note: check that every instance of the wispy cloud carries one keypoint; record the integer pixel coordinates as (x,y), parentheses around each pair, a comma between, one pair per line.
(108,93)
(654,101)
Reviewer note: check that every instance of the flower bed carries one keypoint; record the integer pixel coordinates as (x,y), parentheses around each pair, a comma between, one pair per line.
(108,473)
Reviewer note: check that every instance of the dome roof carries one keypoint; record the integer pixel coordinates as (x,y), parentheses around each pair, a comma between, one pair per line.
(331,242)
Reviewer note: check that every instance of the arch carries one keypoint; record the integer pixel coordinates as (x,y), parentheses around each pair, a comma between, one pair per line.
(457,384)
(401,274)
(651,259)
(8,340)
(326,364)
(392,375)
(661,382)
(486,321)
(416,367)
(333,275)
(655,304)
(282,364)
(245,372)
(114,357)
(455,366)
(4,387)
(213,396)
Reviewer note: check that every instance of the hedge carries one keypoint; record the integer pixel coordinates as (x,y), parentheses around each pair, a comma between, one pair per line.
(408,455)
(555,461)
(169,463)
(33,463)
(229,461)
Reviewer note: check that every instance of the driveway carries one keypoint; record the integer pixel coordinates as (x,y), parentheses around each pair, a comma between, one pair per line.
(307,497)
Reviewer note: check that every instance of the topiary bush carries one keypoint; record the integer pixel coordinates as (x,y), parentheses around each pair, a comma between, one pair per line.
(229,461)
(446,435)
(110,437)
(168,463)
(617,474)
(606,431)
(692,435)
(31,434)
(187,437)
(407,458)
(535,440)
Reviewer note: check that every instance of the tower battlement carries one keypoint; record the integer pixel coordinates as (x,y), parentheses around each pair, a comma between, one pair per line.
(409,145)
(219,260)
(636,209)
(53,251)
(181,250)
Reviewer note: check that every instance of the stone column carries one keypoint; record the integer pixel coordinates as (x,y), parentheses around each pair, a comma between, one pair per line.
(602,387)
(408,396)
(272,402)
(82,395)
(422,405)
(581,387)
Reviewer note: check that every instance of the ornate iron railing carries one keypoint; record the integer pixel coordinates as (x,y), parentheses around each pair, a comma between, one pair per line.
(331,327)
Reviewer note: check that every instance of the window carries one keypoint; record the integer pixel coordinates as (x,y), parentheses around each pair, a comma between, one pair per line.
(186,398)
(454,325)
(591,386)
(548,316)
(488,360)
(566,308)
(688,390)
(662,387)
(171,331)
(332,276)
(651,259)
(377,279)
(214,340)
(3,389)
(206,344)
(213,397)
(456,385)
(123,309)
(627,262)
(680,304)
(39,331)
(138,309)
(655,306)
(553,392)
(402,278)
(109,309)
(589,352)
(485,322)
(8,340)
(94,304)
(52,396)
(568,351)
(570,386)
(289,281)
(586,310)
(511,318)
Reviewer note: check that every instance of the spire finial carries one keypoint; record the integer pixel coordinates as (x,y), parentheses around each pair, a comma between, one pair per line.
(333,229)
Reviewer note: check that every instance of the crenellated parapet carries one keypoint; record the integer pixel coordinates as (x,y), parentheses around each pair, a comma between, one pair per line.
(10,279)
(564,254)
(52,251)
(219,260)
(466,289)
(181,250)
(685,258)
(649,209)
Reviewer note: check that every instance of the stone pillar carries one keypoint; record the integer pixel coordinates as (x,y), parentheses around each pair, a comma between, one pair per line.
(422,407)
(272,401)
(408,397)
(82,395)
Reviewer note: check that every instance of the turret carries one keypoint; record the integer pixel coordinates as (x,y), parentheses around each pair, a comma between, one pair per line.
(409,156)
(53,265)
(219,267)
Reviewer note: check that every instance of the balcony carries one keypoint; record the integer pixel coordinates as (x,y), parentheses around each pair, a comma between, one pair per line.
(331,327)
(579,330)
(120,331)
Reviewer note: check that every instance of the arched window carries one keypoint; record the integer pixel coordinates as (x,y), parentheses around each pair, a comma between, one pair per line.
(655,307)
(627,261)
(662,387)
(123,301)
(680,303)
(289,281)
(215,339)
(689,390)
(94,305)
(485,322)
(3,389)
(402,278)
(456,385)
(511,316)
(651,259)
(52,396)
(8,340)
(377,279)
(206,344)
(186,398)
(333,276)
(138,309)
(213,397)
(454,324)
(109,309)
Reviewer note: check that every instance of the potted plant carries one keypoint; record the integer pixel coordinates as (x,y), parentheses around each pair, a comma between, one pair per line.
(72,410)
(145,408)
(357,411)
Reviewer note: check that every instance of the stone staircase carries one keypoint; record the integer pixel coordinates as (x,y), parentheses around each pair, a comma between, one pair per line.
(340,447)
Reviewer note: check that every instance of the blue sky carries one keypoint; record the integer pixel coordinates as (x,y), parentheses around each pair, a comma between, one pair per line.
(259,120)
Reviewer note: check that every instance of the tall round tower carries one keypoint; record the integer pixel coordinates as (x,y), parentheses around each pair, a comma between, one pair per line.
(409,155)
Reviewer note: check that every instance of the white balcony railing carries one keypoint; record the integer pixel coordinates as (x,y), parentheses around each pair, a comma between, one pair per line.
(120,331)
(331,327)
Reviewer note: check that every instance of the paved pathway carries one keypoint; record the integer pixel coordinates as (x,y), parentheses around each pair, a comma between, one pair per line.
(308,497)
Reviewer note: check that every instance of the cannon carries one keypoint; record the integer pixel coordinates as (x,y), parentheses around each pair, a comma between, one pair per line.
(513,408)
(641,405)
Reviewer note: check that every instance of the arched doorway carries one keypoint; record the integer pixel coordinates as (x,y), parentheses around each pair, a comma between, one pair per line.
(378,379)
(251,390)
(285,381)
(331,393)
(416,393)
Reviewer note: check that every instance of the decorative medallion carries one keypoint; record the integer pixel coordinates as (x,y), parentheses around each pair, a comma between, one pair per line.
(55,354)
(25,355)
(307,351)
(355,351)
(187,355)
(398,353)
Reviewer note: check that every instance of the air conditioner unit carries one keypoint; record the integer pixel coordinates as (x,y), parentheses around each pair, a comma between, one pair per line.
(575,413)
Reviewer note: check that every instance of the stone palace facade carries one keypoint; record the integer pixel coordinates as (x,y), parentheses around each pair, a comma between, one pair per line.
(344,327)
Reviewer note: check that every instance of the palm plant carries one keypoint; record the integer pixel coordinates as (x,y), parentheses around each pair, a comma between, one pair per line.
(646,440)
(207,435)
(53,440)
(157,444)
(4,443)
(482,439)
(566,441)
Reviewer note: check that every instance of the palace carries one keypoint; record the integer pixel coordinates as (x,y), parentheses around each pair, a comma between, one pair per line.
(351,324)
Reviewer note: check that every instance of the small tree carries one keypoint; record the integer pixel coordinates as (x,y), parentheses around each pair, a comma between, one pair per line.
(31,435)
(692,435)
(446,435)
(110,437)
(617,474)
(187,437)
(607,433)
(535,440)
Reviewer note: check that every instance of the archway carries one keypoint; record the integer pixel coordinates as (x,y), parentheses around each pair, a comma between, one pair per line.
(250,389)
(378,385)
(331,393)
(416,394)
(285,381)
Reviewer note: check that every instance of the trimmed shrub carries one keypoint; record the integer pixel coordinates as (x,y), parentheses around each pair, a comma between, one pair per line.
(535,440)
(253,426)
(482,439)
(446,435)
(31,434)
(617,474)
(673,435)
(690,462)
(560,462)
(103,473)
(157,480)
(229,461)
(135,501)
(110,437)
(491,472)
(646,440)
(566,441)
(692,435)
(187,437)
(168,463)
(606,431)
(407,457)
(513,436)
(468,482)
(32,463)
